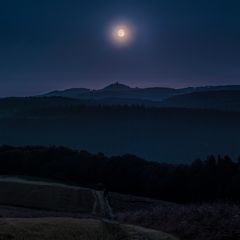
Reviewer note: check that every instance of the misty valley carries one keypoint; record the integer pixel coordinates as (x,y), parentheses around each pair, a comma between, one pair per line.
(177,129)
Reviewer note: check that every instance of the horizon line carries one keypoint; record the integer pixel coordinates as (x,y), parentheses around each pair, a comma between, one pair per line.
(121,83)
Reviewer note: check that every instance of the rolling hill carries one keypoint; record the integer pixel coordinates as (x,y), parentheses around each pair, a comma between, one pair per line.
(179,128)
(118,90)
(220,99)
(121,91)
(75,229)
(43,210)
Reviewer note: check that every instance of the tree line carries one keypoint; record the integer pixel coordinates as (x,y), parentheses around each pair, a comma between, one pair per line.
(213,179)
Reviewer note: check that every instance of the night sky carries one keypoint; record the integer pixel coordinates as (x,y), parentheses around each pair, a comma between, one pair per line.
(47,44)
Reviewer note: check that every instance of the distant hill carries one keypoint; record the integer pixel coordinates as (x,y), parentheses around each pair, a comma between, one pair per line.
(117,90)
(218,88)
(121,91)
(13,106)
(117,87)
(218,99)
(18,106)
(72,93)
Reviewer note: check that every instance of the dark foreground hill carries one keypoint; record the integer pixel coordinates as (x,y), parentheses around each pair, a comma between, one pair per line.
(65,200)
(75,229)
(203,221)
(189,222)
(59,199)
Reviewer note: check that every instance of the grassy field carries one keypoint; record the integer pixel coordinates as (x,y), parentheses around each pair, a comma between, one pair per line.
(215,221)
(74,229)
(35,210)
(65,198)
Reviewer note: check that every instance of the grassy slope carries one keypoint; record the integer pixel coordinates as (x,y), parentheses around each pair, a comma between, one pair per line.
(64,198)
(216,221)
(74,229)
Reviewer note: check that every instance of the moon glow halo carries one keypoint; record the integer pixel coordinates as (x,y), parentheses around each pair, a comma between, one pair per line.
(121,35)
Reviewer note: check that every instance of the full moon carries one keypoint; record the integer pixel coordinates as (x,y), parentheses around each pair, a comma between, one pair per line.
(121,34)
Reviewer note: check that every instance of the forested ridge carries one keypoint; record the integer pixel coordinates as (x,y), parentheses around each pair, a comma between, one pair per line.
(213,179)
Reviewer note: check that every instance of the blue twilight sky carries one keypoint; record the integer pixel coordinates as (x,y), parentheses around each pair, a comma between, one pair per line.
(56,44)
